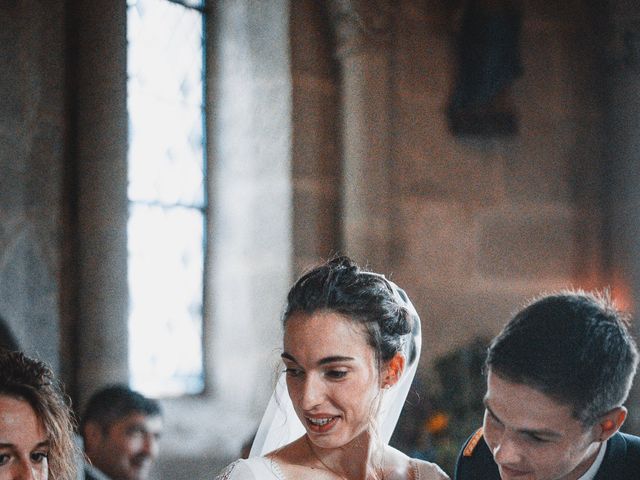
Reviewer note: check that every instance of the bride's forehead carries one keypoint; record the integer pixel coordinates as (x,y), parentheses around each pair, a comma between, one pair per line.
(324,329)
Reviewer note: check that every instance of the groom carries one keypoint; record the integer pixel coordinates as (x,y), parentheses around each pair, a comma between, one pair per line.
(557,378)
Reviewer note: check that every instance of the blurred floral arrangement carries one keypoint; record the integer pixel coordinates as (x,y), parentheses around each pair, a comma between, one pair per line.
(434,425)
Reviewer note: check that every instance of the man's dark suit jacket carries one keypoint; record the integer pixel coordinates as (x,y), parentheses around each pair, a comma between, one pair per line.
(621,460)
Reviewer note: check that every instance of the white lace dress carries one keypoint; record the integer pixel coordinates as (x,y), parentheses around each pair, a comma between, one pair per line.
(264,468)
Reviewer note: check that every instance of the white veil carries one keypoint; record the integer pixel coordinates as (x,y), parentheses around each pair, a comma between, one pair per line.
(280,424)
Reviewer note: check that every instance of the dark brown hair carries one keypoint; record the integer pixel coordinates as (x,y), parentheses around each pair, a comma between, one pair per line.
(339,285)
(33,381)
(573,346)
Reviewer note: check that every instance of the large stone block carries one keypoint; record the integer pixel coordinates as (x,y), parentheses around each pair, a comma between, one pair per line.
(424,64)
(252,219)
(434,240)
(545,89)
(43,182)
(14,99)
(44,53)
(14,172)
(456,313)
(249,298)
(541,10)
(11,225)
(253,128)
(527,244)
(316,210)
(102,26)
(441,167)
(315,149)
(29,293)
(312,52)
(539,166)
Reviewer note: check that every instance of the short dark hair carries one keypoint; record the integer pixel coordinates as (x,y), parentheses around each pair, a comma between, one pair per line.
(339,285)
(573,346)
(114,402)
(33,381)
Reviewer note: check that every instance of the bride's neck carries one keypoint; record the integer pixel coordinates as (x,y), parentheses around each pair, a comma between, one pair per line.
(356,460)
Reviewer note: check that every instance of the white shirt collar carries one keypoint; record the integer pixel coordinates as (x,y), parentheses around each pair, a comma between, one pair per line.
(95,472)
(595,466)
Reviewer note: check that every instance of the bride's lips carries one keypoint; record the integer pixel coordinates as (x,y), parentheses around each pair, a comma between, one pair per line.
(320,423)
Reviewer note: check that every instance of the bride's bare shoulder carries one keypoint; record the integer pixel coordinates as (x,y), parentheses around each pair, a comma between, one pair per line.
(295,453)
(294,462)
(404,467)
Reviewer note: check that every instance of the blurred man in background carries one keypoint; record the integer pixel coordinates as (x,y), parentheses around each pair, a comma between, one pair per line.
(120,429)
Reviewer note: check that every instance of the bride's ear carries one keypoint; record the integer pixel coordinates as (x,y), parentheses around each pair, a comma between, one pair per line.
(393,370)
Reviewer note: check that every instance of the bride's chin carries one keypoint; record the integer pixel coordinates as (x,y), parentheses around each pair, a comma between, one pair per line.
(325,441)
(336,440)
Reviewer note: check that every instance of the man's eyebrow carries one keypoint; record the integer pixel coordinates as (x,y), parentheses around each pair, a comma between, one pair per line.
(528,431)
(137,427)
(485,402)
(547,434)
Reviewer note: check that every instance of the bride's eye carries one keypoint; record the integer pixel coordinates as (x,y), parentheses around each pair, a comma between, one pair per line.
(336,374)
(293,372)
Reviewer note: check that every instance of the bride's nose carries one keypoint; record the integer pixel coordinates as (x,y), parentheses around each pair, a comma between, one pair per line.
(312,392)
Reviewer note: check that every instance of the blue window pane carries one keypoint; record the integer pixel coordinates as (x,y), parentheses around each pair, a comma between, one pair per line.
(165,151)
(165,50)
(188,3)
(194,3)
(165,304)
(165,103)
(167,196)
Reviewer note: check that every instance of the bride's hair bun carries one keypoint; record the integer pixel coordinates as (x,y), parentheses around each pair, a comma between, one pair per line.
(341,286)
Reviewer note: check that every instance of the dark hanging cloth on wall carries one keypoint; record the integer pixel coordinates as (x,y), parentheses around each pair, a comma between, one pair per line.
(488,63)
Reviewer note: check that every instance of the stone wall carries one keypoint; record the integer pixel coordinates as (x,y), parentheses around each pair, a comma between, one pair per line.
(98,194)
(622,247)
(32,158)
(476,226)
(470,226)
(316,137)
(484,223)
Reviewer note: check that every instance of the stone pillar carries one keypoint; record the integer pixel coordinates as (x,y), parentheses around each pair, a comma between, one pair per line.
(100,112)
(623,63)
(316,155)
(363,31)
(250,261)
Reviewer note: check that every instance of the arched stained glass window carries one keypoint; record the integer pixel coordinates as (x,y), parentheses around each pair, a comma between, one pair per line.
(167,195)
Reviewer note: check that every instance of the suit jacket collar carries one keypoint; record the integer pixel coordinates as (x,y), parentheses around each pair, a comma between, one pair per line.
(94,473)
(611,465)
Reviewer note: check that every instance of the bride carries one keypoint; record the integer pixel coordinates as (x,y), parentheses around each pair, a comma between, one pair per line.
(351,348)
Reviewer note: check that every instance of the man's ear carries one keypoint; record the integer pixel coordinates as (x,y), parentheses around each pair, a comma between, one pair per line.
(610,423)
(93,435)
(394,370)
